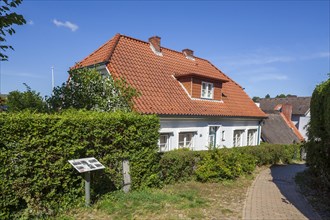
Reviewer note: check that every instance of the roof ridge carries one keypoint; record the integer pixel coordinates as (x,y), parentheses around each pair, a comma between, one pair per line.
(176,51)
(116,38)
(298,97)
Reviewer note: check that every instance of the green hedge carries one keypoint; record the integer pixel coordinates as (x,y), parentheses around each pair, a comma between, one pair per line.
(318,147)
(178,165)
(274,153)
(224,163)
(36,178)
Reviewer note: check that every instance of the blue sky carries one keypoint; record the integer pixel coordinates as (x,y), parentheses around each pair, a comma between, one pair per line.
(268,47)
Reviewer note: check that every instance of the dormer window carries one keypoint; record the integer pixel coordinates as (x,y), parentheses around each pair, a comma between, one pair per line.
(207,90)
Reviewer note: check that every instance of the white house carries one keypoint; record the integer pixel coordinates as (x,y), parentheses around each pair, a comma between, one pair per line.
(198,105)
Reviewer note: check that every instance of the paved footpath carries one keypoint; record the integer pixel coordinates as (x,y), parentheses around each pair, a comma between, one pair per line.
(273,195)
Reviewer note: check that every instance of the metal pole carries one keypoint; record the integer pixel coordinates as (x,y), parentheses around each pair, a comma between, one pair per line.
(87,188)
(0,75)
(53,84)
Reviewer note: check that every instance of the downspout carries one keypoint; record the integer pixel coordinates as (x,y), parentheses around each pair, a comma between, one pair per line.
(259,128)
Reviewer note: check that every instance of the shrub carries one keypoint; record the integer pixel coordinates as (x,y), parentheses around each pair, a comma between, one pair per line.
(36,178)
(273,153)
(223,164)
(178,165)
(318,149)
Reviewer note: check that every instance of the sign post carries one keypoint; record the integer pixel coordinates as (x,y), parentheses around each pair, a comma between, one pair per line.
(86,165)
(88,188)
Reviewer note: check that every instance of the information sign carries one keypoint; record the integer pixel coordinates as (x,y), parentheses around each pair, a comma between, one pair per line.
(86,164)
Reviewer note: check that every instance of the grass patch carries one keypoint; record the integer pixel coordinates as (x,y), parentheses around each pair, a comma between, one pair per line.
(146,202)
(190,200)
(317,196)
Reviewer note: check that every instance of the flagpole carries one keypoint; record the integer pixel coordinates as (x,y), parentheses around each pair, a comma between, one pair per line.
(53,81)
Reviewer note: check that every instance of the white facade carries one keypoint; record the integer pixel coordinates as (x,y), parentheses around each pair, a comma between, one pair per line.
(301,122)
(201,133)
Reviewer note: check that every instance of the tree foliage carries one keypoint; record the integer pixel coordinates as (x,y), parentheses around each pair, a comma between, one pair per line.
(256,98)
(28,100)
(280,96)
(285,96)
(90,90)
(318,149)
(7,20)
(2,103)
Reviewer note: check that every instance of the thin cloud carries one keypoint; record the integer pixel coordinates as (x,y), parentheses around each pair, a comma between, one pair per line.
(67,24)
(30,22)
(316,56)
(25,75)
(259,60)
(268,77)
(255,59)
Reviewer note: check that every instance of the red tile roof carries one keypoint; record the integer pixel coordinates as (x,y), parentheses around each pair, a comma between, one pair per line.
(293,127)
(154,76)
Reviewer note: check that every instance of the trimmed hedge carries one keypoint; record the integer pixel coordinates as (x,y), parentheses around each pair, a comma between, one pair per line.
(224,163)
(178,165)
(274,153)
(36,178)
(318,147)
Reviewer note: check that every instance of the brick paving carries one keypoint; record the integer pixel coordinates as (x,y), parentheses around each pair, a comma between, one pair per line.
(273,195)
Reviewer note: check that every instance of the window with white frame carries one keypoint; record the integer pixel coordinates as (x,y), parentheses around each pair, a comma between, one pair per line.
(164,142)
(207,90)
(238,138)
(186,140)
(223,135)
(213,136)
(251,137)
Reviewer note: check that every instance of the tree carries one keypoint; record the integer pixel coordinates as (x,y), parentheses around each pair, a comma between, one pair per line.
(2,103)
(267,96)
(7,19)
(28,100)
(281,96)
(88,89)
(256,98)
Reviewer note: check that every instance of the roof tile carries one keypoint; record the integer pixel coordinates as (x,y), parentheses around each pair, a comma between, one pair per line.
(161,93)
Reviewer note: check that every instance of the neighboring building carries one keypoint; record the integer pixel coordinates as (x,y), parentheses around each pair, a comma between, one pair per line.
(276,129)
(198,105)
(295,109)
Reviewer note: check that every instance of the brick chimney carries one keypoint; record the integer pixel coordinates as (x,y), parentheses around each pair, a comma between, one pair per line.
(188,52)
(155,42)
(287,111)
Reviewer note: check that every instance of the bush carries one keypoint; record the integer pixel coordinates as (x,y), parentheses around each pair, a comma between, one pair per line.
(36,178)
(178,165)
(223,164)
(273,153)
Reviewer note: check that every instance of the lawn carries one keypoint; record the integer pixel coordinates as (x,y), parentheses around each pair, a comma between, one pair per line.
(190,200)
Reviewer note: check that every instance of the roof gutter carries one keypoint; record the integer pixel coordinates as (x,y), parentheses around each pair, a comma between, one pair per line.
(209,116)
(178,76)
(90,66)
(259,132)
